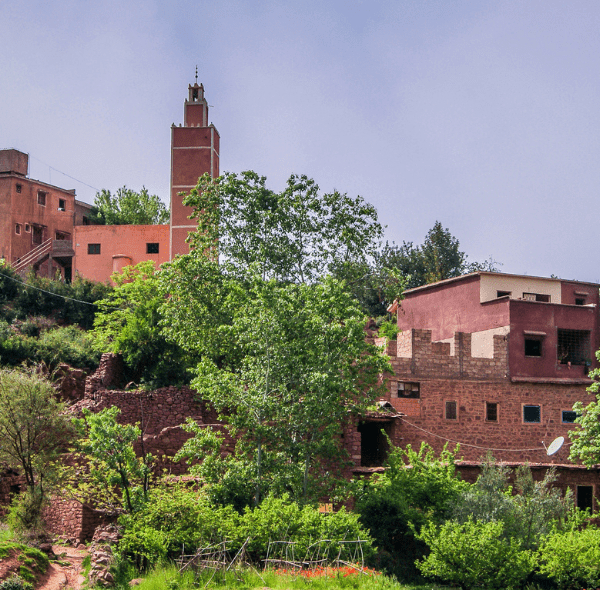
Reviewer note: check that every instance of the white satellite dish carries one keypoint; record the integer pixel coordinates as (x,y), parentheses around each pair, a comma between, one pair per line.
(554,445)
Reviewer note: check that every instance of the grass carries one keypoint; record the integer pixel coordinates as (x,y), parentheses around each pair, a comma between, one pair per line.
(168,578)
(5,533)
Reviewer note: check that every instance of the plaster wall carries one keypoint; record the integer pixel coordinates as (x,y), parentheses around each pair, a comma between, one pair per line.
(491,283)
(120,245)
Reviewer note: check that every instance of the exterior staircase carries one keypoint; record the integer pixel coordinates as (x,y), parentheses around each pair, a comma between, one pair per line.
(57,249)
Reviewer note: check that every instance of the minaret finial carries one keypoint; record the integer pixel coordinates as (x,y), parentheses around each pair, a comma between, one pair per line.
(196,74)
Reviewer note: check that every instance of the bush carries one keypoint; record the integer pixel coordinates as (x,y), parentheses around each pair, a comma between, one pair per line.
(68,344)
(572,558)
(16,583)
(474,554)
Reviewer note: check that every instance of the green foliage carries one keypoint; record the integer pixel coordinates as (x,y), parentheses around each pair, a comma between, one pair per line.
(291,363)
(474,554)
(107,446)
(32,560)
(177,519)
(16,583)
(128,323)
(389,330)
(33,431)
(298,235)
(572,558)
(25,513)
(586,438)
(527,516)
(127,207)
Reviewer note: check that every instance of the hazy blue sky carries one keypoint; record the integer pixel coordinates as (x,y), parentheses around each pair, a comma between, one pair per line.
(483,115)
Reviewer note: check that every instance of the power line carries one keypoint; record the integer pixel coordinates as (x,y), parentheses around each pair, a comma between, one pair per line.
(64,173)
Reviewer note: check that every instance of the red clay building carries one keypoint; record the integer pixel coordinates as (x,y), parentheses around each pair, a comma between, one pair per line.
(494,362)
(45,227)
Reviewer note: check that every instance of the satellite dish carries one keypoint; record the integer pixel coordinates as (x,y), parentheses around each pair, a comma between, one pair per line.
(555,445)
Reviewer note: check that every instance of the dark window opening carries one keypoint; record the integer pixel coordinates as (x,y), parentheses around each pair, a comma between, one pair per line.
(86,221)
(195,94)
(451,411)
(41,198)
(491,412)
(19,188)
(503,293)
(579,301)
(568,416)
(532,414)
(27,228)
(152,248)
(573,347)
(62,204)
(93,248)
(409,390)
(536,297)
(18,228)
(38,234)
(533,347)
(62,236)
(585,497)
(373,444)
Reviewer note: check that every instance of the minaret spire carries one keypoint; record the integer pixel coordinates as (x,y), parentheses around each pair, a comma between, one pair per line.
(196,74)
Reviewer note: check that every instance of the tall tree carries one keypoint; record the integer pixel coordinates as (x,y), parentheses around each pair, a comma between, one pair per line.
(297,235)
(128,207)
(291,366)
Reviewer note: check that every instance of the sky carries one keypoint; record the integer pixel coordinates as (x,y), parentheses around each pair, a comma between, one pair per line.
(482,115)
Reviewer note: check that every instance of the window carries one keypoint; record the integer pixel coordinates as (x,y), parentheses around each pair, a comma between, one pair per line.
(409,390)
(503,293)
(152,248)
(532,414)
(62,204)
(373,443)
(19,187)
(573,347)
(568,416)
(585,497)
(533,346)
(579,301)
(451,410)
(93,248)
(27,228)
(38,234)
(18,228)
(491,412)
(86,221)
(62,236)
(42,198)
(536,297)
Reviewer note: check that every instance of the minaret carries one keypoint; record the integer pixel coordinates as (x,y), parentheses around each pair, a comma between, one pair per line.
(194,151)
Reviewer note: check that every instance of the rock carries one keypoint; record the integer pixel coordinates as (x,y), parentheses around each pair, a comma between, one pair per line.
(136,581)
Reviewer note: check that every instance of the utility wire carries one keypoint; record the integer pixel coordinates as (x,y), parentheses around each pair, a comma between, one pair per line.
(64,173)
(472,446)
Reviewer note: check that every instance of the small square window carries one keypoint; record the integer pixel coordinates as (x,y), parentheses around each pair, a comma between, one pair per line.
(41,198)
(27,228)
(579,301)
(533,347)
(18,228)
(409,390)
(451,410)
(532,414)
(62,204)
(19,187)
(152,248)
(93,248)
(568,416)
(491,412)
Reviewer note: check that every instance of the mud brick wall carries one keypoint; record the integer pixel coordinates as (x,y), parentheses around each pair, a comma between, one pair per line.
(71,521)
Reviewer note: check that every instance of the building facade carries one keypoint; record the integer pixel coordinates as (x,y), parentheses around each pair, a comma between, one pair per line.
(46,228)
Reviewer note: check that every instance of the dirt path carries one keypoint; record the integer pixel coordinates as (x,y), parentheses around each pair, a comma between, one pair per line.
(59,577)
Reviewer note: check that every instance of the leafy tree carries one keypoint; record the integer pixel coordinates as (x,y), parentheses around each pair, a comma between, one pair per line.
(282,363)
(586,438)
(33,432)
(297,235)
(128,323)
(127,207)
(106,448)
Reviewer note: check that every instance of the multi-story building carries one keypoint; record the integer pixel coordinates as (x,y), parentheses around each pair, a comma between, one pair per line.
(45,227)
(494,362)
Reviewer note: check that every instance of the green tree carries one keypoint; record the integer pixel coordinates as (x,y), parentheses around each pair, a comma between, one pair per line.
(128,207)
(297,235)
(127,322)
(107,448)
(33,432)
(290,362)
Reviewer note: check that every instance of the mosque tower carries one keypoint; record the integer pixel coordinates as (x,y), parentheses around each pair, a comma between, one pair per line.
(194,151)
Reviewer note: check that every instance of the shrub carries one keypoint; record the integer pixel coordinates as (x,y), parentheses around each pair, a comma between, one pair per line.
(572,558)
(16,583)
(68,344)
(474,554)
